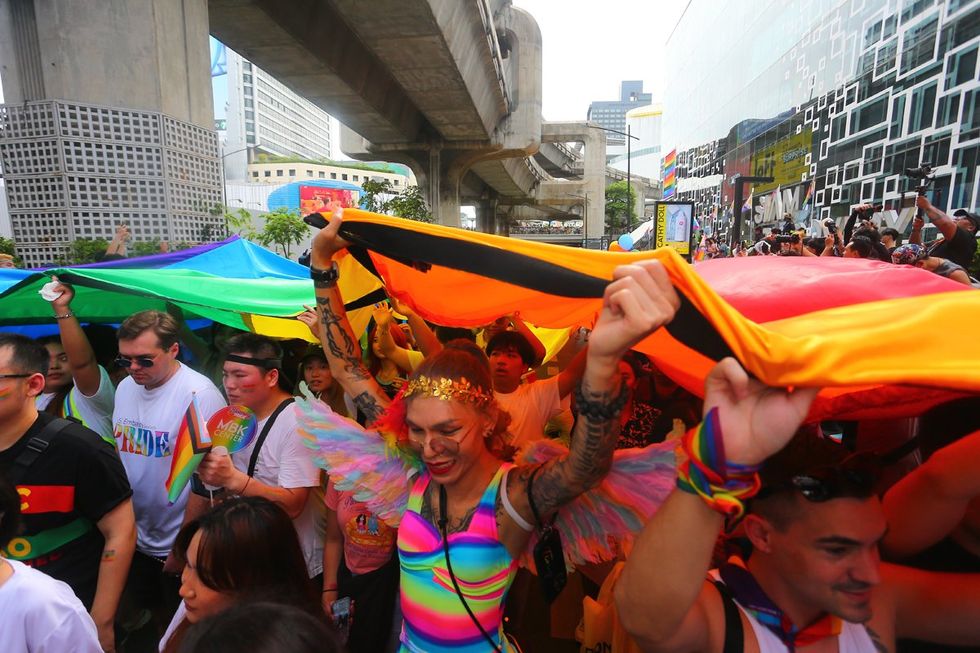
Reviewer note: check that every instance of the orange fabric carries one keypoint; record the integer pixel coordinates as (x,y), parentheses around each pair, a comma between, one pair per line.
(874,358)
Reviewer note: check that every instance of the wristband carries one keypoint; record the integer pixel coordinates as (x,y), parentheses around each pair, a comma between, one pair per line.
(248,479)
(65,316)
(325,278)
(724,486)
(329,589)
(598,410)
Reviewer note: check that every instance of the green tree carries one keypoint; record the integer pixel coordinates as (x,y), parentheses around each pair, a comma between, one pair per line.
(8,246)
(145,247)
(618,207)
(411,205)
(282,228)
(371,197)
(975,265)
(240,222)
(84,250)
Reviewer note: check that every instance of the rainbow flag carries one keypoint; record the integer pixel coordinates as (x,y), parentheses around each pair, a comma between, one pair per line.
(670,174)
(191,445)
(808,196)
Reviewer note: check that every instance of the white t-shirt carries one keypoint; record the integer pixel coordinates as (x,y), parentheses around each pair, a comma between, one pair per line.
(284,461)
(145,426)
(39,614)
(95,411)
(530,407)
(179,616)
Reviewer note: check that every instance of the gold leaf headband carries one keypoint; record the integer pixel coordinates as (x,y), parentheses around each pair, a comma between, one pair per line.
(446,389)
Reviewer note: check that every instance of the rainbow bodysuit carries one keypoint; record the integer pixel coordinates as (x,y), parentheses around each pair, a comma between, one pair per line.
(435,619)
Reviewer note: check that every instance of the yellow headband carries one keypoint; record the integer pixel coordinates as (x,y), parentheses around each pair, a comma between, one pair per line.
(446,389)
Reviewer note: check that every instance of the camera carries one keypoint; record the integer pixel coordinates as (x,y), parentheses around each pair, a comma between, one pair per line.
(922,172)
(831,225)
(925,176)
(790,239)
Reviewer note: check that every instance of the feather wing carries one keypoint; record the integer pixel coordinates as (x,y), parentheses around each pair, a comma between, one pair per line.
(369,464)
(601,523)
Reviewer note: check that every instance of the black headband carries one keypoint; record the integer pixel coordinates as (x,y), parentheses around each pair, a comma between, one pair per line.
(267,363)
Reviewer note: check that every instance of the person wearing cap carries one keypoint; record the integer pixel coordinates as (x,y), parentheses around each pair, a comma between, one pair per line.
(7,261)
(812,518)
(959,241)
(912,254)
(275,465)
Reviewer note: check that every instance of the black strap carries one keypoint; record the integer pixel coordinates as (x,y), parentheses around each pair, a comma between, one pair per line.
(265,433)
(734,634)
(35,447)
(530,500)
(443,521)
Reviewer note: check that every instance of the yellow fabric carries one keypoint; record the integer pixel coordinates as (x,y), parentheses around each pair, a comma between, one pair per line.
(600,629)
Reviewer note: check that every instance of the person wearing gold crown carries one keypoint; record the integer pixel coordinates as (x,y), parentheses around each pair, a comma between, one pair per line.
(467,518)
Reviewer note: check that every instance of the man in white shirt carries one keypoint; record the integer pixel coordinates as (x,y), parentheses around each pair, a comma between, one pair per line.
(278,467)
(530,405)
(37,613)
(150,405)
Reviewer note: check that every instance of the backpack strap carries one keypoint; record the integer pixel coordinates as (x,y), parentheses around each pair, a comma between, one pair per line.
(36,446)
(734,633)
(265,433)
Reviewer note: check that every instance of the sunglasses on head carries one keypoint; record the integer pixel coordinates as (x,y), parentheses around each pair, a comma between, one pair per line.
(126,362)
(856,475)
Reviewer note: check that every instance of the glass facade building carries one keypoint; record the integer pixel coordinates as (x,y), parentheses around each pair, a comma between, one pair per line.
(611,114)
(832,98)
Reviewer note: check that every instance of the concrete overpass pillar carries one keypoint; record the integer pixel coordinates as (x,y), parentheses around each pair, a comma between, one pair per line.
(594,178)
(486,216)
(109,119)
(442,185)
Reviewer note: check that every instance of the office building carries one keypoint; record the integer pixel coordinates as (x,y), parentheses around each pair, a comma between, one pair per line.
(264,117)
(611,114)
(843,95)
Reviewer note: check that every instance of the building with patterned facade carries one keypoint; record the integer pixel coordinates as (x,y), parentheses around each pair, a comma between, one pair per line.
(841,94)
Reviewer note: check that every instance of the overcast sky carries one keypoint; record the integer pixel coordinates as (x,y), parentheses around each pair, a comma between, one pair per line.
(590,46)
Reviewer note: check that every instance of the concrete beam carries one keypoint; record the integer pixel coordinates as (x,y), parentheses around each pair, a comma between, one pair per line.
(309,47)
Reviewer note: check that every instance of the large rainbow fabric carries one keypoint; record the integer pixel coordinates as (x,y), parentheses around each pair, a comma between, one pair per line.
(435,620)
(191,445)
(670,174)
(788,321)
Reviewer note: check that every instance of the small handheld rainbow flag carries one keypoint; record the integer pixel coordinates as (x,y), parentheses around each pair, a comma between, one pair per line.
(809,195)
(191,445)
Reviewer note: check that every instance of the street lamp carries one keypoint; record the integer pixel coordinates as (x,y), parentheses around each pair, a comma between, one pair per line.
(629,178)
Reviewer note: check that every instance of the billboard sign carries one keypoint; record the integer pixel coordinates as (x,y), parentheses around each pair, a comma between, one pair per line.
(316,198)
(673,226)
(784,161)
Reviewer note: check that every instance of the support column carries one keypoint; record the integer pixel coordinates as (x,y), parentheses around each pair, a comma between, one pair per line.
(486,215)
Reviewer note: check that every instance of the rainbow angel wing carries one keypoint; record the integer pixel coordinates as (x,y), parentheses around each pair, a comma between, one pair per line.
(603,522)
(367,463)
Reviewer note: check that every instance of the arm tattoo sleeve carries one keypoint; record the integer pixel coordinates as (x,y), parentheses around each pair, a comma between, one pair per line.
(368,404)
(589,459)
(340,345)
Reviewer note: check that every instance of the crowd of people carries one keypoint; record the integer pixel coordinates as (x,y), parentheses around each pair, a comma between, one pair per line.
(951,255)
(418,539)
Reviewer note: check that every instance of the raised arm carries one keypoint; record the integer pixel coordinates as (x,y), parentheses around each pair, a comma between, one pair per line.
(929,502)
(118,244)
(81,357)
(340,345)
(662,597)
(640,300)
(945,224)
(425,337)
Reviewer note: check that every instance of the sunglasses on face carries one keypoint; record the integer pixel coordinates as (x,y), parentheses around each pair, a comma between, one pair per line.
(438,443)
(125,362)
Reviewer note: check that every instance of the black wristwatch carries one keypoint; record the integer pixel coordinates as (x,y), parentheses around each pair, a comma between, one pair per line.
(325,278)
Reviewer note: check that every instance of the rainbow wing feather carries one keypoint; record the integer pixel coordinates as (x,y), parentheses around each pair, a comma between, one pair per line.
(368,464)
(601,523)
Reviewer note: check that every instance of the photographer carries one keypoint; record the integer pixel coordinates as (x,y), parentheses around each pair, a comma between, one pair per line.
(959,233)
(890,238)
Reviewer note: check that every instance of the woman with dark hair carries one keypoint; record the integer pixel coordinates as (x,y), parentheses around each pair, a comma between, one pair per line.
(386,372)
(261,628)
(314,371)
(244,549)
(469,516)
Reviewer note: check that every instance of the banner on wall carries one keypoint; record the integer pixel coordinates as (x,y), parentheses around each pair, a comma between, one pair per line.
(785,161)
(670,174)
(673,226)
(313,199)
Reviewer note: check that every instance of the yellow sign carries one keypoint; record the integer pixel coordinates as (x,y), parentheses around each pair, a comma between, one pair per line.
(673,227)
(784,161)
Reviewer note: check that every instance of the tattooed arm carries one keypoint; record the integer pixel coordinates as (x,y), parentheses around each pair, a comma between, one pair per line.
(339,342)
(640,300)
